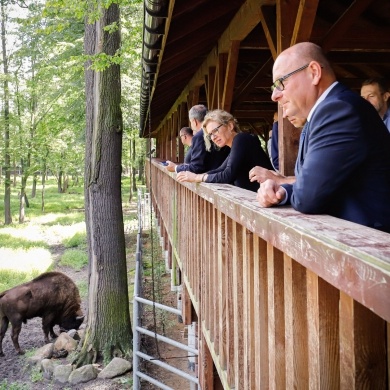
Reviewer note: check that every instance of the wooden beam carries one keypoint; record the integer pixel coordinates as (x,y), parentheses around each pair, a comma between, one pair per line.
(268,21)
(230,75)
(344,23)
(306,15)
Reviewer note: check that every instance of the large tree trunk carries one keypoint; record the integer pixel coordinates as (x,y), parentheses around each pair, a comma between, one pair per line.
(108,331)
(7,157)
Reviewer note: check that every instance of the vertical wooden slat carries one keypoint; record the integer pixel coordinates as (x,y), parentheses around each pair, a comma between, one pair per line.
(323,333)
(237,288)
(186,308)
(261,313)
(229,318)
(206,365)
(216,248)
(248,310)
(295,302)
(222,288)
(276,328)
(363,360)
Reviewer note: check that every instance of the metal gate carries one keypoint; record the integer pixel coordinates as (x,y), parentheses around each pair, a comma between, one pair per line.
(138,302)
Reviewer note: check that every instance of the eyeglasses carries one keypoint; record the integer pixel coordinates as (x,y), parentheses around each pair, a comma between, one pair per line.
(213,132)
(182,135)
(278,84)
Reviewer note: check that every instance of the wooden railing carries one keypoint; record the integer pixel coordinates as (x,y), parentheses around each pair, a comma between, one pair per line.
(283,300)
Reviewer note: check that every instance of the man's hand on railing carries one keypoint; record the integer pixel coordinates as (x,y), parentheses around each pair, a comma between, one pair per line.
(261,174)
(270,193)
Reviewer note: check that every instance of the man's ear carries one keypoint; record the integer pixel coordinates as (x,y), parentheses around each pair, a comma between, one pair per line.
(386,96)
(316,72)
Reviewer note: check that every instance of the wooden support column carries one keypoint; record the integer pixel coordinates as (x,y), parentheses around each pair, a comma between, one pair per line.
(209,84)
(230,75)
(186,306)
(206,368)
(294,22)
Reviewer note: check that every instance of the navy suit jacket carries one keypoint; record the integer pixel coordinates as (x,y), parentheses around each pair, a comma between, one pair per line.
(275,145)
(201,160)
(343,163)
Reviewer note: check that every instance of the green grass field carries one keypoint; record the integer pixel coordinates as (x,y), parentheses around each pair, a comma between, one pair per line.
(26,249)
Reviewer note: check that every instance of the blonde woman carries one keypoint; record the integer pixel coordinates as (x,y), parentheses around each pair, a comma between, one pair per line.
(221,128)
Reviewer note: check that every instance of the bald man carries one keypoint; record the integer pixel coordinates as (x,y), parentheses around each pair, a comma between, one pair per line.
(343,163)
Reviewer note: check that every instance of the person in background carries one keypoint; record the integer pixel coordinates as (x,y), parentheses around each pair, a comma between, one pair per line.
(269,142)
(343,163)
(186,135)
(261,174)
(275,143)
(377,92)
(222,129)
(201,160)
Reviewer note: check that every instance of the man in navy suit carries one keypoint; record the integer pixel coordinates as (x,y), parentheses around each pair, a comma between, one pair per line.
(343,163)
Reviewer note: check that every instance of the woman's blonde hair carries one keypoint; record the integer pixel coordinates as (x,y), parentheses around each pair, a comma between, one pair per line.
(222,117)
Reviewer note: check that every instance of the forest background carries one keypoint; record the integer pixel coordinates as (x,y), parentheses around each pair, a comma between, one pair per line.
(42,93)
(70,108)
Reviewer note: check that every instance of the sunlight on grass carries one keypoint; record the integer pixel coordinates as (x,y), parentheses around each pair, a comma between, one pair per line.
(28,261)
(74,258)
(8,241)
(79,239)
(9,279)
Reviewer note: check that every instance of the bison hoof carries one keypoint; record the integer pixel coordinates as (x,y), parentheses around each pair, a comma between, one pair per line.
(21,352)
(1,354)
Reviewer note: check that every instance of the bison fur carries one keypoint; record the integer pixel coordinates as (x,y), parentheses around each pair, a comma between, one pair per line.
(52,296)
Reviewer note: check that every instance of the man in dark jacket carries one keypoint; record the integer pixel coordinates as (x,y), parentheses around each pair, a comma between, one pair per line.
(343,163)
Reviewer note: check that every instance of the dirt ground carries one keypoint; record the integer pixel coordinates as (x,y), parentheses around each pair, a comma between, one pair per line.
(15,370)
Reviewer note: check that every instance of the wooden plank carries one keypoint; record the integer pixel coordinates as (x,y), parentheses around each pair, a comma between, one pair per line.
(230,76)
(186,305)
(206,374)
(229,319)
(363,361)
(216,248)
(323,333)
(276,326)
(306,16)
(237,288)
(222,289)
(248,310)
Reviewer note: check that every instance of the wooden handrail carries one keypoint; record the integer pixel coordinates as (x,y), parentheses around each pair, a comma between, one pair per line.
(283,299)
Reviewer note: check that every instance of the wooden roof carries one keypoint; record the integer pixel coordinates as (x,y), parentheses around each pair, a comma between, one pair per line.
(193,34)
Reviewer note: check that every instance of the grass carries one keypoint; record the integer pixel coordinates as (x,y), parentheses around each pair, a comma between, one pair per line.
(83,288)
(11,278)
(74,258)
(8,241)
(25,248)
(77,240)
(5,385)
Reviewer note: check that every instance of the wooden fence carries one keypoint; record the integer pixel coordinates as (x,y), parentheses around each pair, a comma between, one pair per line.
(283,300)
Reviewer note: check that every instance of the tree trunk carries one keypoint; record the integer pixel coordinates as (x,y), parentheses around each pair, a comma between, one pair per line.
(15,172)
(34,186)
(7,157)
(59,182)
(22,193)
(108,331)
(43,190)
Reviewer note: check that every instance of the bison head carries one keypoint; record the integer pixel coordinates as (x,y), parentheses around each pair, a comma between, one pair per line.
(71,323)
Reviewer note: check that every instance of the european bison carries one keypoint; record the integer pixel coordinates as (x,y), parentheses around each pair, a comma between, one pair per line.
(52,296)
